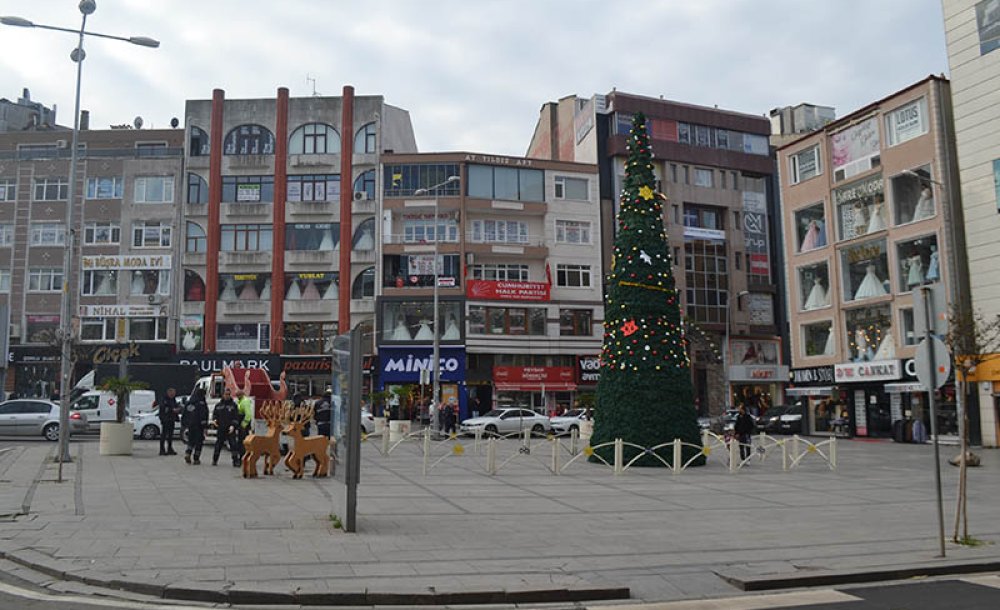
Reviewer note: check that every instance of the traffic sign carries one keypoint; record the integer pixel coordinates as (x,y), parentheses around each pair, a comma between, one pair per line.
(932,374)
(939,310)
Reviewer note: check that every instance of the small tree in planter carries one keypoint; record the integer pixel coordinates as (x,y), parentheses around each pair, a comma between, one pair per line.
(404,393)
(121,387)
(379,398)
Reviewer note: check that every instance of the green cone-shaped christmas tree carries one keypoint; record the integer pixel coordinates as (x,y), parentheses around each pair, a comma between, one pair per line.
(644,396)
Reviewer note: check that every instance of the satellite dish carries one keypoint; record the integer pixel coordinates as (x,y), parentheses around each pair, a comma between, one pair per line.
(137,122)
(174,122)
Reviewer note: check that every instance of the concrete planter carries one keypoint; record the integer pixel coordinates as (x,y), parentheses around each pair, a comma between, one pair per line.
(586,430)
(380,425)
(116,439)
(398,428)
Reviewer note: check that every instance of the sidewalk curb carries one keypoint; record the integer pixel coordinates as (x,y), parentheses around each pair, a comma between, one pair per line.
(194,591)
(748,581)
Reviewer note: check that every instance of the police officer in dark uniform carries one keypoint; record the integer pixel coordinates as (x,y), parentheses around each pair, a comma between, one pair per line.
(195,419)
(324,410)
(226,419)
(168,412)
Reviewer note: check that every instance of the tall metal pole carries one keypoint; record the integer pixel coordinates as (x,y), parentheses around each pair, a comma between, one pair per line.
(725,353)
(436,354)
(925,294)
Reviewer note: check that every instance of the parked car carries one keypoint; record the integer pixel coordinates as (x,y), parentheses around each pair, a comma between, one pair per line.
(568,421)
(36,417)
(367,421)
(770,421)
(99,406)
(506,421)
(729,420)
(790,422)
(147,425)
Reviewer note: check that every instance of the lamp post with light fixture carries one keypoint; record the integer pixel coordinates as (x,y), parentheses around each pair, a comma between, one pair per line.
(87,8)
(725,350)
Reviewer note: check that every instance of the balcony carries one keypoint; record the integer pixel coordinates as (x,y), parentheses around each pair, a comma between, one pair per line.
(362,305)
(246,209)
(259,162)
(312,208)
(363,206)
(322,308)
(245,308)
(488,206)
(197,162)
(319,259)
(532,248)
(194,258)
(245,259)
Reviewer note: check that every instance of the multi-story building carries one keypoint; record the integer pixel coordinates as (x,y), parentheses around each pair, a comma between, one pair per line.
(870,214)
(972,29)
(791,122)
(27,114)
(127,216)
(520,309)
(716,169)
(280,227)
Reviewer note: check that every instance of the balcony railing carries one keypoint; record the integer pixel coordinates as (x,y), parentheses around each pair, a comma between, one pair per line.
(91,153)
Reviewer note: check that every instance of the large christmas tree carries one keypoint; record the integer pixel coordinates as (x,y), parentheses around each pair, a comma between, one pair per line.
(644,395)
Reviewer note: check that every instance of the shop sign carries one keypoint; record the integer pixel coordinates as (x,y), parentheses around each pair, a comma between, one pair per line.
(123,311)
(588,369)
(215,362)
(755,233)
(116,262)
(859,190)
(495,160)
(758,373)
(248,192)
(822,375)
(707,234)
(192,329)
(536,374)
(879,370)
(322,365)
(507,291)
(403,364)
(241,337)
(854,146)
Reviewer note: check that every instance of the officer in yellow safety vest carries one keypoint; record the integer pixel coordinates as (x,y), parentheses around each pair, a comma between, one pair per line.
(245,406)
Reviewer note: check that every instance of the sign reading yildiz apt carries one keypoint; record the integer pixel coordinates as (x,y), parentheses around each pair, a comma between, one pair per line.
(128,261)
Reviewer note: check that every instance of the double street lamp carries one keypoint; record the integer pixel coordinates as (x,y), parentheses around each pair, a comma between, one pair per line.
(87,8)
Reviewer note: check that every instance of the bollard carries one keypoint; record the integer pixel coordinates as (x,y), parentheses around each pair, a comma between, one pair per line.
(427,448)
(619,456)
(704,438)
(784,455)
(574,437)
(385,438)
(491,455)
(677,456)
(795,446)
(526,439)
(555,455)
(734,454)
(833,453)
(475,443)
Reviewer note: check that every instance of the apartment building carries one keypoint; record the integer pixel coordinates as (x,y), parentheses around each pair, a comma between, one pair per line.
(520,304)
(870,214)
(716,169)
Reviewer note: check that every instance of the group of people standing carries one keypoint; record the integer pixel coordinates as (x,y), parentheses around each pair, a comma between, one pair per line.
(231,420)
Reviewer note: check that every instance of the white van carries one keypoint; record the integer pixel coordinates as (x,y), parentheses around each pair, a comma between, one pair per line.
(101,406)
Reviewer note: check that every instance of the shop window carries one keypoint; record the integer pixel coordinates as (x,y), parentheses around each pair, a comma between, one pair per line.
(869,334)
(365,139)
(245,287)
(198,142)
(506,320)
(314,139)
(404,180)
(99,283)
(909,334)
(576,322)
(247,189)
(814,287)
(320,236)
(805,165)
(810,227)
(364,236)
(507,183)
(818,339)
(860,208)
(364,185)
(318,187)
(913,196)
(307,338)
(417,270)
(197,189)
(865,269)
(195,240)
(149,281)
(311,287)
(918,262)
(147,329)
(194,287)
(249,140)
(98,329)
(413,321)
(363,286)
(41,328)
(247,238)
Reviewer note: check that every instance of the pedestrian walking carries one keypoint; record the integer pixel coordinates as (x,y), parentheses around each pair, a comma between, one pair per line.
(195,419)
(245,406)
(226,420)
(169,411)
(324,411)
(450,418)
(742,429)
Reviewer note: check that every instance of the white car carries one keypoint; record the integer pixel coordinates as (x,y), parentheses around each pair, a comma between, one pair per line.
(507,421)
(569,421)
(36,417)
(147,425)
(367,421)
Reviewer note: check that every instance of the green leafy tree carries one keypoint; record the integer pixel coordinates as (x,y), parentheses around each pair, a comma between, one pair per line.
(645,392)
(121,387)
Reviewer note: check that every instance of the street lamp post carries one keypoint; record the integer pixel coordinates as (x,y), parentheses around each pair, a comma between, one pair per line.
(436,352)
(725,348)
(87,8)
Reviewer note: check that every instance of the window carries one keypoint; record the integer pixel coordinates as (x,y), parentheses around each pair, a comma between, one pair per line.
(247,238)
(706,272)
(6,235)
(151,149)
(913,196)
(869,334)
(365,183)
(508,183)
(865,270)
(194,287)
(573,276)
(855,149)
(311,286)
(364,140)
(321,187)
(421,228)
(197,189)
(576,322)
(151,234)
(918,263)
(909,335)
(684,133)
(47,234)
(506,320)
(41,328)
(147,329)
(403,180)
(4,281)
(810,227)
(413,321)
(364,236)
(105,187)
(309,338)
(572,232)
(195,240)
(8,189)
(98,329)
(102,233)
(735,180)
(818,339)
(906,122)
(51,189)
(44,279)
(814,287)
(687,174)
(417,270)
(722,179)
(859,208)
(314,139)
(154,189)
(150,281)
(198,142)
(245,287)
(805,164)
(500,231)
(499,272)
(703,177)
(249,140)
(703,217)
(322,236)
(572,188)
(673,172)
(247,189)
(363,286)
(103,282)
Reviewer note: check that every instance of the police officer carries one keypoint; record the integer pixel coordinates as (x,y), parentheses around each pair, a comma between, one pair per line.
(168,412)
(324,409)
(226,420)
(195,419)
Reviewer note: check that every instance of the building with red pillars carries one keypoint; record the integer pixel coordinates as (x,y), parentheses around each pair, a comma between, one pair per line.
(279,249)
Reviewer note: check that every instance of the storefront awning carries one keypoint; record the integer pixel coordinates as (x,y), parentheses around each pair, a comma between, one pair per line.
(816,391)
(534,386)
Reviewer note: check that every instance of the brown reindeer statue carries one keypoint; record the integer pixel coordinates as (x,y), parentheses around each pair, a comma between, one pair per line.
(275,413)
(316,446)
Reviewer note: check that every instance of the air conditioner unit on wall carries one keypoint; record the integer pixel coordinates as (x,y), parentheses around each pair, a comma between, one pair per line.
(360,195)
(156,299)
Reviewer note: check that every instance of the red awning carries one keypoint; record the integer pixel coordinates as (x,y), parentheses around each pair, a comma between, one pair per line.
(534,386)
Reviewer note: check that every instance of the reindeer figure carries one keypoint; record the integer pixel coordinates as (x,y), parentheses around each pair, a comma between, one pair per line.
(316,446)
(275,414)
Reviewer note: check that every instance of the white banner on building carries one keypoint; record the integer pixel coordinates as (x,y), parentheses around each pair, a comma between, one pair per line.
(123,311)
(116,262)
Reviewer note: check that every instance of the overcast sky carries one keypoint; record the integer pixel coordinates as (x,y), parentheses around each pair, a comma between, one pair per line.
(474,73)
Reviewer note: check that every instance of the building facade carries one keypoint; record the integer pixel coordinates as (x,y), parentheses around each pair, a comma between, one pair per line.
(868,219)
(520,308)
(716,169)
(972,29)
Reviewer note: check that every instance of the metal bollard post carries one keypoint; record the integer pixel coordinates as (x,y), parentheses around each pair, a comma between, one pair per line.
(574,437)
(427,448)
(704,438)
(734,454)
(385,438)
(833,453)
(677,456)
(555,455)
(491,455)
(795,446)
(619,456)
(475,443)
(784,455)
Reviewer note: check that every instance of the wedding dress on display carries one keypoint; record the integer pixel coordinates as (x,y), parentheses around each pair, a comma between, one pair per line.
(104,287)
(828,348)
(365,242)
(327,244)
(811,236)
(310,293)
(886,349)
(925,205)
(294,292)
(249,292)
(189,342)
(915,271)
(424,332)
(863,349)
(401,333)
(331,292)
(933,272)
(138,283)
(818,296)
(870,286)
(229,291)
(876,222)
(451,331)
(265,292)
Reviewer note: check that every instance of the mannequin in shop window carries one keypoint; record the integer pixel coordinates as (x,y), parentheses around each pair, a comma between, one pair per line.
(933,270)
(925,204)
(913,268)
